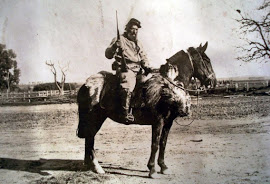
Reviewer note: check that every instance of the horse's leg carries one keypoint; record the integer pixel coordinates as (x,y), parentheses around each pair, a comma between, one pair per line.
(162,144)
(156,132)
(96,118)
(90,158)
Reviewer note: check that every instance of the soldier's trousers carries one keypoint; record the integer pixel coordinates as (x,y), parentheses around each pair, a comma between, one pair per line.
(127,80)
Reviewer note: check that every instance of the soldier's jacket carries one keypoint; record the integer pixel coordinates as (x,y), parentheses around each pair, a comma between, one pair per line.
(134,54)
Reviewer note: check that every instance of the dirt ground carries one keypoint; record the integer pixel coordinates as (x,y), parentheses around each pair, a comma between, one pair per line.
(228,142)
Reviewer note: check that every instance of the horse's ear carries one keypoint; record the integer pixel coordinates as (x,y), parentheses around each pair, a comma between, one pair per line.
(200,45)
(204,47)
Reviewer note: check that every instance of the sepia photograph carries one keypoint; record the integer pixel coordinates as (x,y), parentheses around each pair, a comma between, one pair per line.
(133,92)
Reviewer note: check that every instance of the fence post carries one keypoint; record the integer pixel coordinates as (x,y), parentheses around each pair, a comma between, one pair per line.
(236,86)
(29,100)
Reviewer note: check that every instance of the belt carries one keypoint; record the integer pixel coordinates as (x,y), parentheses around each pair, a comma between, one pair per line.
(128,61)
(134,67)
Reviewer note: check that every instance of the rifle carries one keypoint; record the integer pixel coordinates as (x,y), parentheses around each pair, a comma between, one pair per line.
(120,50)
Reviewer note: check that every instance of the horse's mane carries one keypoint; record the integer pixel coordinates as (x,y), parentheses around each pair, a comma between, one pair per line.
(192,50)
(176,57)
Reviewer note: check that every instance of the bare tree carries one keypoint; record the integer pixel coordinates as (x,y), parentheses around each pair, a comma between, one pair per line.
(63,69)
(255,33)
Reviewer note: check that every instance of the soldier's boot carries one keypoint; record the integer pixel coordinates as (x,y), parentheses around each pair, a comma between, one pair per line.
(125,103)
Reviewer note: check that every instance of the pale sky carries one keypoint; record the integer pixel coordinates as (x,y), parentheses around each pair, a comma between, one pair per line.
(79,32)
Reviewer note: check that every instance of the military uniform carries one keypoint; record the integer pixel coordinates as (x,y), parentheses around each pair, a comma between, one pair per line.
(136,59)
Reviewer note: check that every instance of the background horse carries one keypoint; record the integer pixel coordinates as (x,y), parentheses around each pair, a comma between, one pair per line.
(162,101)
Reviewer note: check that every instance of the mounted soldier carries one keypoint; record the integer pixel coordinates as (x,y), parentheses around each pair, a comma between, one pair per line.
(164,99)
(130,60)
(163,96)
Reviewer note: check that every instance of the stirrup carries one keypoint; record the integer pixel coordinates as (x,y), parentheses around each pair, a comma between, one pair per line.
(130,117)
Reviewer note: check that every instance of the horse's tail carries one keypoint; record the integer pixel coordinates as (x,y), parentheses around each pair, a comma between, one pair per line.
(84,103)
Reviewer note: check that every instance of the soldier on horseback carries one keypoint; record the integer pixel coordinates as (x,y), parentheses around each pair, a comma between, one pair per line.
(130,59)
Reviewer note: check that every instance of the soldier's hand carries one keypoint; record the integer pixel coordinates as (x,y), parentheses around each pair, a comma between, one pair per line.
(118,44)
(148,70)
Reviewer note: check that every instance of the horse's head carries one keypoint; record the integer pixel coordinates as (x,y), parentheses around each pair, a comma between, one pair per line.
(193,63)
(202,65)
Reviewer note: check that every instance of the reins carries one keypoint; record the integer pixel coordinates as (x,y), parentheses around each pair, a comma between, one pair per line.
(178,86)
(189,90)
(185,125)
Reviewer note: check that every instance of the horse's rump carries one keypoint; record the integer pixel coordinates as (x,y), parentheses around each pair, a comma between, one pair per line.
(98,85)
(95,85)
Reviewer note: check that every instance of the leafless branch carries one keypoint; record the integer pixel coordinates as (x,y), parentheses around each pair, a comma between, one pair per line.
(265,5)
(256,35)
(52,68)
(63,70)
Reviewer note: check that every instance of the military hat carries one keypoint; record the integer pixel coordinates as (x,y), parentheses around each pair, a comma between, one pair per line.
(133,21)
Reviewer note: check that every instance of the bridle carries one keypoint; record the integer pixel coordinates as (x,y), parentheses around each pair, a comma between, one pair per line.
(191,61)
(209,77)
(193,71)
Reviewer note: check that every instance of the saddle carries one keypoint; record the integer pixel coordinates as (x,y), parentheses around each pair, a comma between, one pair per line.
(137,99)
(104,85)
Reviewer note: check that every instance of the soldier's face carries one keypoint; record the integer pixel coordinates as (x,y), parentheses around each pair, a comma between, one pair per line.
(133,32)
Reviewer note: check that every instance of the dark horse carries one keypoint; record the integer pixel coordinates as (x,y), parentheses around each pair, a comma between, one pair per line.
(162,101)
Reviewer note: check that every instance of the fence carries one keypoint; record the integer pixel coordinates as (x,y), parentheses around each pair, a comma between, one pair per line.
(35,94)
(235,85)
(245,85)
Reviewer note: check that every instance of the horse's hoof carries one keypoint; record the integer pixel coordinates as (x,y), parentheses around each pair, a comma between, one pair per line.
(93,166)
(99,170)
(165,171)
(153,175)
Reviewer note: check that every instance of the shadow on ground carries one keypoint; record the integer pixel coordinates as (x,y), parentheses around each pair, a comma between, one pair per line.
(42,165)
(37,166)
